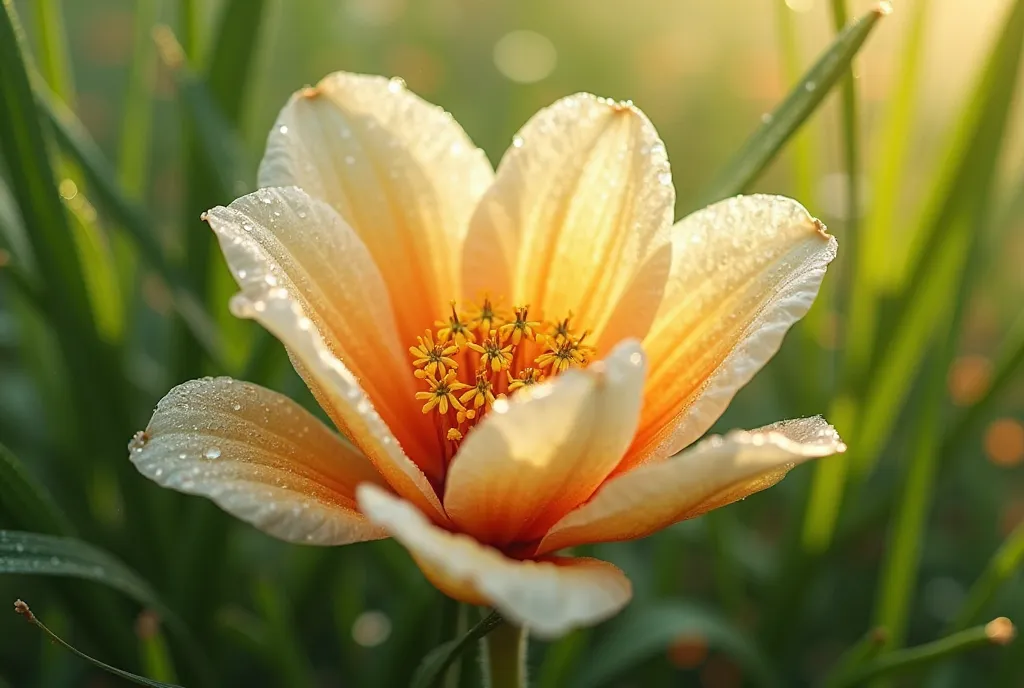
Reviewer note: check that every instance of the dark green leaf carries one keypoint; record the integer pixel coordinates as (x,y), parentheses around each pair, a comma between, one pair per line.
(802,101)
(434,665)
(637,636)
(26,501)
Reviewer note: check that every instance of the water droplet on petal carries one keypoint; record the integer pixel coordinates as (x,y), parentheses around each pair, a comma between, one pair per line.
(517,142)
(396,85)
(212,453)
(237,407)
(283,128)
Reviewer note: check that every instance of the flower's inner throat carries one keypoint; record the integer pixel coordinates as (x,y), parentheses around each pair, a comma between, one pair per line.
(480,354)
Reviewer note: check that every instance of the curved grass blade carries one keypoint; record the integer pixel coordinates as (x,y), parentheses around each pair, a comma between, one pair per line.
(53,48)
(137,122)
(101,178)
(23,609)
(638,636)
(996,632)
(1001,568)
(26,502)
(801,102)
(433,667)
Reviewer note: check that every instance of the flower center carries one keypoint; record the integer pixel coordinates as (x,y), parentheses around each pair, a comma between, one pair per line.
(478,356)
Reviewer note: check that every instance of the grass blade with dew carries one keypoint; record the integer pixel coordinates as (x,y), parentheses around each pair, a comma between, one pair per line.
(785,120)
(22,608)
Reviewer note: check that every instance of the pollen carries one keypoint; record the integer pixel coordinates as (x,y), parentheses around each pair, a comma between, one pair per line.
(480,355)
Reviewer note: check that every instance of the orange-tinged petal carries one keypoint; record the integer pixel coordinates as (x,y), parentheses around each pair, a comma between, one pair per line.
(743,271)
(399,170)
(279,306)
(716,472)
(580,201)
(259,456)
(541,453)
(294,242)
(550,596)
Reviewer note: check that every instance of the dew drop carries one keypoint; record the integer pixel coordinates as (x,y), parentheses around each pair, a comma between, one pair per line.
(212,453)
(767,118)
(517,142)
(302,214)
(665,178)
(396,84)
(810,86)
(283,128)
(885,8)
(236,407)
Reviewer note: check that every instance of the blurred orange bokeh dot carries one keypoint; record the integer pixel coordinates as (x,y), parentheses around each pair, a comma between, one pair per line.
(1004,442)
(688,651)
(968,378)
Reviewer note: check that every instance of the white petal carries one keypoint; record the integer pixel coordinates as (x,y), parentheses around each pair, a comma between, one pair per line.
(259,456)
(537,456)
(399,170)
(716,472)
(743,271)
(550,597)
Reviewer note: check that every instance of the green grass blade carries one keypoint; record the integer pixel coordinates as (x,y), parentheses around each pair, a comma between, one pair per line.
(637,636)
(101,179)
(53,48)
(926,294)
(997,632)
(136,127)
(26,502)
(1003,566)
(23,609)
(802,101)
(433,667)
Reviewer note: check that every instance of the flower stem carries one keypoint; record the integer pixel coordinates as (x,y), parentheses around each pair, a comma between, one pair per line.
(506,656)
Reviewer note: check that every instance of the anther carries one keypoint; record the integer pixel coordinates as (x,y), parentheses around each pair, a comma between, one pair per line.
(492,354)
(432,358)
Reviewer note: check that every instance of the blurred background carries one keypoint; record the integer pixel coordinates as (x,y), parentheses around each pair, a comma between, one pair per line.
(768,592)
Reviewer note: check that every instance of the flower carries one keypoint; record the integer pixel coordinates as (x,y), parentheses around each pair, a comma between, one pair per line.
(376,213)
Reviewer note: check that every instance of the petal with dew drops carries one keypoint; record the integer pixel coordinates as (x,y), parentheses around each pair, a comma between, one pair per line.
(279,306)
(399,170)
(537,456)
(550,596)
(289,240)
(716,472)
(580,201)
(259,456)
(743,271)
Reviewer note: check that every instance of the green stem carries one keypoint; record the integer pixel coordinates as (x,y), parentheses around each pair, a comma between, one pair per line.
(506,656)
(997,632)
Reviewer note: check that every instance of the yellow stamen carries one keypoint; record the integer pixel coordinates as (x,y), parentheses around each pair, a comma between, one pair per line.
(563,354)
(433,358)
(442,393)
(454,435)
(519,328)
(455,329)
(526,377)
(492,354)
(483,318)
(479,394)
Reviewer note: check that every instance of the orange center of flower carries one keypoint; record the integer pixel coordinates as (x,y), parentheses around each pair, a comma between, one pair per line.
(478,356)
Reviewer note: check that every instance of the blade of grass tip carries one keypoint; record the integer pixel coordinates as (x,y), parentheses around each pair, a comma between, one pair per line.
(926,294)
(802,101)
(21,608)
(101,179)
(53,49)
(998,632)
(136,126)
(33,554)
(1000,569)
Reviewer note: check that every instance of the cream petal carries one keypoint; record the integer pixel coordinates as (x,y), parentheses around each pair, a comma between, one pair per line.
(399,170)
(260,457)
(289,310)
(287,239)
(545,451)
(743,271)
(715,472)
(580,201)
(550,597)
